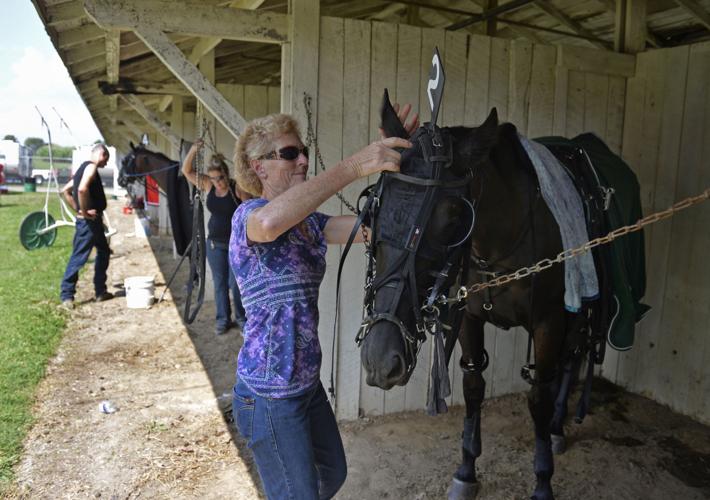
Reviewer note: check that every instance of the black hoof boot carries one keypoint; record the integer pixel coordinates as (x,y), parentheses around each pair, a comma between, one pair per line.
(543,491)
(461,490)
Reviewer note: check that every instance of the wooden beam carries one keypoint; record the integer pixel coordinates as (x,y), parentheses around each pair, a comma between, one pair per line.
(84,52)
(139,87)
(192,78)
(612,6)
(78,36)
(127,120)
(193,19)
(567,21)
(89,66)
(619,9)
(635,30)
(138,48)
(152,118)
(113,62)
(695,10)
(198,51)
(64,12)
(303,58)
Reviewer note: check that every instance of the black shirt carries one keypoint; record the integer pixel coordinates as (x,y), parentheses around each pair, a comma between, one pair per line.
(97,198)
(222,208)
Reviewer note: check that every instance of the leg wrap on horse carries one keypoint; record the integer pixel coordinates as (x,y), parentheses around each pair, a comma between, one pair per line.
(541,401)
(471,436)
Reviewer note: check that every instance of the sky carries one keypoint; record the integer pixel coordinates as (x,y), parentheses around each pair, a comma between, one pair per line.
(32,74)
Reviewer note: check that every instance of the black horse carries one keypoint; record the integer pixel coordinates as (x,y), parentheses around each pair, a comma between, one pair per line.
(141,162)
(513,228)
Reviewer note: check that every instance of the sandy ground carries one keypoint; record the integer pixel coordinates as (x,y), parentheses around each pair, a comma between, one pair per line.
(171,439)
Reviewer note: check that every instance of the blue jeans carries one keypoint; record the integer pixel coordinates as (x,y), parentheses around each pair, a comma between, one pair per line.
(224,281)
(295,441)
(88,234)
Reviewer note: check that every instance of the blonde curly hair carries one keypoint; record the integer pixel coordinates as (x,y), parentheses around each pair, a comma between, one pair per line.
(256,141)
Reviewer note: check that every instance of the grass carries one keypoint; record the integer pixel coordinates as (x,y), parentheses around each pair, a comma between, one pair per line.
(31,324)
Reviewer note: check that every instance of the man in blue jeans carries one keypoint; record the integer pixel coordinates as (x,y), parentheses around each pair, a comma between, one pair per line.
(85,194)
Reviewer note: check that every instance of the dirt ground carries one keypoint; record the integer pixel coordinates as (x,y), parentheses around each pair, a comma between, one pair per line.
(170,438)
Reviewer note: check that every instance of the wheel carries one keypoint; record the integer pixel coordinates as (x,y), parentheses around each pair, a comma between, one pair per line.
(29,231)
(39,180)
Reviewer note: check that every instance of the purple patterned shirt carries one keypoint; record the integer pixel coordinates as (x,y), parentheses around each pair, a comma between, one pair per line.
(279,283)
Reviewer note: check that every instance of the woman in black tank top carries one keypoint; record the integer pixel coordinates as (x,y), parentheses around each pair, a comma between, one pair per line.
(223,198)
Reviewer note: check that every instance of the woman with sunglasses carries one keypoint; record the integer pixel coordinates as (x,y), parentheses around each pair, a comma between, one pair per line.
(277,252)
(223,198)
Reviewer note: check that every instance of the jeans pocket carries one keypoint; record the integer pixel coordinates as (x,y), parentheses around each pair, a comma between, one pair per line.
(243,412)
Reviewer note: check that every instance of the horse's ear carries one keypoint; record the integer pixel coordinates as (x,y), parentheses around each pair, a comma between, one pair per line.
(130,143)
(487,133)
(390,121)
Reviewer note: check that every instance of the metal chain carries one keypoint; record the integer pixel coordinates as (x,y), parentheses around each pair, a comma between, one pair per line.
(574,252)
(312,139)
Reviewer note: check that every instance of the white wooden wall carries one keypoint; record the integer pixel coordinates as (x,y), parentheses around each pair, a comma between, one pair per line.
(542,89)
(667,141)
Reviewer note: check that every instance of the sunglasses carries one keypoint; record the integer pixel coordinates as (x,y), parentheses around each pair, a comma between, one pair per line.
(288,153)
(218,178)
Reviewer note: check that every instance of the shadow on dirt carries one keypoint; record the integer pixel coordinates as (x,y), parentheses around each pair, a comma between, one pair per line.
(217,353)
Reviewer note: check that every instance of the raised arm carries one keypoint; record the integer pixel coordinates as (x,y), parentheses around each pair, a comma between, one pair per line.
(200,180)
(295,204)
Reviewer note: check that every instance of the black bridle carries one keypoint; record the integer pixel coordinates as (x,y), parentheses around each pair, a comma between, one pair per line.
(431,182)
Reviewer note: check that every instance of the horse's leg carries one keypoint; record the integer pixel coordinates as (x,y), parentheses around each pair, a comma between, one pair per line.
(566,378)
(541,402)
(464,484)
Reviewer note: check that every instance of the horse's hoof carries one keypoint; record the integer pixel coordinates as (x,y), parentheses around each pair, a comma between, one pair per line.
(559,445)
(461,490)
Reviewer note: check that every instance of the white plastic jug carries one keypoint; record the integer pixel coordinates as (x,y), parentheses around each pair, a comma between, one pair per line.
(139,291)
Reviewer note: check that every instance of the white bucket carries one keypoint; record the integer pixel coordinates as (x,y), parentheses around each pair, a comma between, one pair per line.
(139,291)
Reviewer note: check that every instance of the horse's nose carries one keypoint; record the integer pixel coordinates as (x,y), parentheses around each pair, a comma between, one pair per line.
(387,372)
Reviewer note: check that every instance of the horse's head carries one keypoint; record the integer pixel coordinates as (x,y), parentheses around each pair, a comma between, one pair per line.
(140,162)
(126,174)
(424,220)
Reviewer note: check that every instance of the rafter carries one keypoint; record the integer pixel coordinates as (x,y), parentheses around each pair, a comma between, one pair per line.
(113,62)
(192,78)
(84,52)
(653,39)
(161,15)
(67,39)
(138,87)
(152,118)
(565,20)
(695,10)
(65,12)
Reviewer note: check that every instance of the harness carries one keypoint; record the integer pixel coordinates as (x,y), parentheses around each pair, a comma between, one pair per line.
(398,208)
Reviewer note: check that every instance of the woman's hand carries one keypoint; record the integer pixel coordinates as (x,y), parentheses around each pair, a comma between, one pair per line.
(377,157)
(402,114)
(197,145)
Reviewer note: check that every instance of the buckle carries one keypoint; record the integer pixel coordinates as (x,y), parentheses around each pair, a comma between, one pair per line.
(607,193)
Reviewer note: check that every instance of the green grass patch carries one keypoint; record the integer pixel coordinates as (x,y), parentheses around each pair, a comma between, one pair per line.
(31,324)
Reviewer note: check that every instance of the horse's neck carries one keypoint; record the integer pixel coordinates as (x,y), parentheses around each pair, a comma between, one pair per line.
(505,195)
(158,168)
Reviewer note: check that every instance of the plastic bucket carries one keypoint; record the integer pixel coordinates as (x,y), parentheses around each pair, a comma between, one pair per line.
(139,291)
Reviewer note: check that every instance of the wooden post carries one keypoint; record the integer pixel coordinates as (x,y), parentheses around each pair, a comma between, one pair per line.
(301,59)
(635,31)
(620,26)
